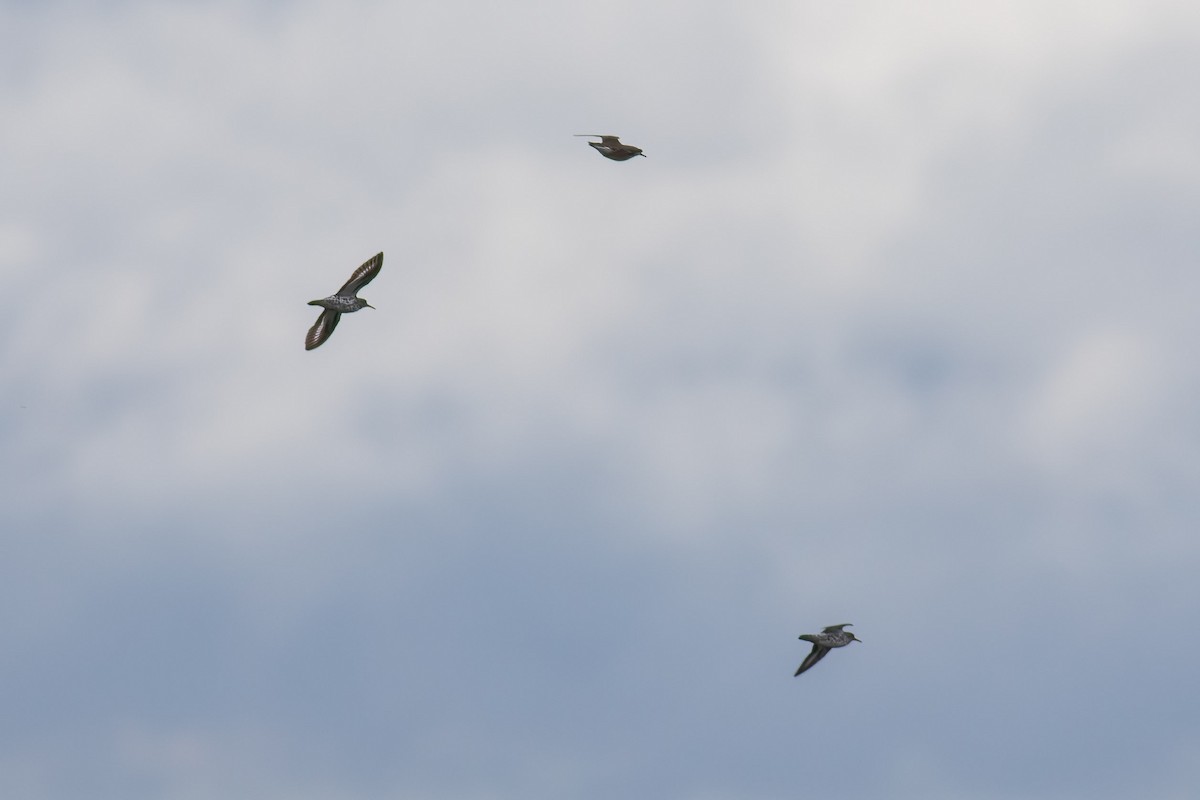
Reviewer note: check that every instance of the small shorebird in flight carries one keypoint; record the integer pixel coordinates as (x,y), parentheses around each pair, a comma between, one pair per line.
(823,642)
(345,301)
(610,146)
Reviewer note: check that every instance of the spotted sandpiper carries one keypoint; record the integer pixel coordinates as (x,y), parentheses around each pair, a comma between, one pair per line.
(610,146)
(345,301)
(823,642)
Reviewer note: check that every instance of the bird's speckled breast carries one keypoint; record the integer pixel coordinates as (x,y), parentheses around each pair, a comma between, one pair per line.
(343,304)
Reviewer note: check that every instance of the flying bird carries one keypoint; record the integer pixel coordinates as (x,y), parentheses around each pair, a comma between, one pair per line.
(345,301)
(610,146)
(823,642)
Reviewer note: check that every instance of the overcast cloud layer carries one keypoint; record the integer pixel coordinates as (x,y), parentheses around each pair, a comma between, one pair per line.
(895,325)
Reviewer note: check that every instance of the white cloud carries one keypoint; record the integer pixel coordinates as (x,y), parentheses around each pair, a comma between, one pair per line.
(1098,401)
(886,324)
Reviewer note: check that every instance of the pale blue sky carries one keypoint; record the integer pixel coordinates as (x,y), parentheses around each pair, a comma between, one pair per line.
(894,326)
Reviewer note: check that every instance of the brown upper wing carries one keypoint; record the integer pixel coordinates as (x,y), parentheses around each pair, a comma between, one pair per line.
(322,329)
(362,276)
(816,654)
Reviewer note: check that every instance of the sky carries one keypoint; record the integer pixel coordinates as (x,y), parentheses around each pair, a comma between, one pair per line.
(894,325)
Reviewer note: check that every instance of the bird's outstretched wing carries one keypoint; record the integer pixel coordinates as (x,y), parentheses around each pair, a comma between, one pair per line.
(606,139)
(322,329)
(816,654)
(362,276)
(837,628)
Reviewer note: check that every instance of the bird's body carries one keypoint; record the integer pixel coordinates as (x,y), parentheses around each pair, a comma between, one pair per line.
(341,304)
(610,146)
(823,642)
(345,301)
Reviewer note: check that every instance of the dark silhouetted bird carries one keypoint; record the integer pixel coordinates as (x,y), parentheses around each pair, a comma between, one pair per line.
(823,642)
(345,301)
(610,146)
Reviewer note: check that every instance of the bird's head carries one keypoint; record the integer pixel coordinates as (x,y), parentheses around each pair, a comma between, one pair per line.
(365,304)
(854,638)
